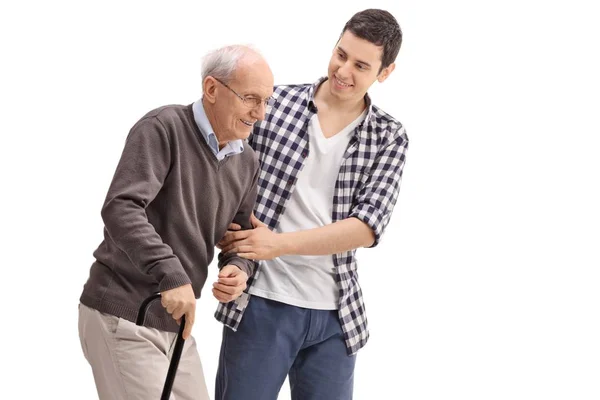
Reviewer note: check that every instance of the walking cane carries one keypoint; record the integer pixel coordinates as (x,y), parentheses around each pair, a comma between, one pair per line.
(176,351)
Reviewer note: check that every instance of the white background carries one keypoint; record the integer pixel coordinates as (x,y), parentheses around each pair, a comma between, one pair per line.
(486,285)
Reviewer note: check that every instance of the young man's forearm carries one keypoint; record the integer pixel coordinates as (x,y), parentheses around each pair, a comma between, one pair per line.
(338,237)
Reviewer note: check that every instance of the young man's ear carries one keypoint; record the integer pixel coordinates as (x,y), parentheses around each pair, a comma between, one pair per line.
(383,75)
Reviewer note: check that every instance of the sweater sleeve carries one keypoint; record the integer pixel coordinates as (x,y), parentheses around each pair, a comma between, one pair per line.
(140,175)
(242,218)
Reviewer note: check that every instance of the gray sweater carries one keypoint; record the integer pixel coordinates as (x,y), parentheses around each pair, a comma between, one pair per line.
(169,202)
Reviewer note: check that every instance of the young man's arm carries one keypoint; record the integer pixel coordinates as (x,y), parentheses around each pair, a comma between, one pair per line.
(263,244)
(364,226)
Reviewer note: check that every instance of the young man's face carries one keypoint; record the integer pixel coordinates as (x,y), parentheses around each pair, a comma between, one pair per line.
(354,67)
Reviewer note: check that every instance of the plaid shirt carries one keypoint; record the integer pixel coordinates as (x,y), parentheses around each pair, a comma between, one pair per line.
(367,187)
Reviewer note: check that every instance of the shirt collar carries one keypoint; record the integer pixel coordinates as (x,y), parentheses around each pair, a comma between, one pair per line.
(231,148)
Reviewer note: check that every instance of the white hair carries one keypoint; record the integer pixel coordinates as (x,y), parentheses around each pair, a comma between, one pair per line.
(221,63)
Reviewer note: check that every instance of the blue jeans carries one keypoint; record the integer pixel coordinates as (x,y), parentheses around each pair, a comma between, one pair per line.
(275,339)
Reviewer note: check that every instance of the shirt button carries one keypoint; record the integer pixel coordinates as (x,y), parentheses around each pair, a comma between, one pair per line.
(304,154)
(278,209)
(290,181)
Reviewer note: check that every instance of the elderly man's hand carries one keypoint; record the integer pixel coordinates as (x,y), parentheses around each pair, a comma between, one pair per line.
(230,284)
(178,302)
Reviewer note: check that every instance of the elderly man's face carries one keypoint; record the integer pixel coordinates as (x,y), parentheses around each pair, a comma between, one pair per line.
(252,80)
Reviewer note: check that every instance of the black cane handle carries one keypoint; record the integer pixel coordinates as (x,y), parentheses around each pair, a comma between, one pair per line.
(166,393)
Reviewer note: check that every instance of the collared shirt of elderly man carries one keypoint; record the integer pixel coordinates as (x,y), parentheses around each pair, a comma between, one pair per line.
(185,174)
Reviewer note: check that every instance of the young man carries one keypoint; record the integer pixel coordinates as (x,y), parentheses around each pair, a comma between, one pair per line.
(331,165)
(185,174)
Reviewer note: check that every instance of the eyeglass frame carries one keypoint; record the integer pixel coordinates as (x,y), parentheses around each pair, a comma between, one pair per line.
(268,102)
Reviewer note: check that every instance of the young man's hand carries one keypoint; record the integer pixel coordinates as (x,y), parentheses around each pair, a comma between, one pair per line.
(227,239)
(230,284)
(259,243)
(178,302)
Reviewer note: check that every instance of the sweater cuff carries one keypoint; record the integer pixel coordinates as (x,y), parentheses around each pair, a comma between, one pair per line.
(170,274)
(173,281)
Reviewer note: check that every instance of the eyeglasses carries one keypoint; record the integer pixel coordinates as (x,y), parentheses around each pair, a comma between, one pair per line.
(250,101)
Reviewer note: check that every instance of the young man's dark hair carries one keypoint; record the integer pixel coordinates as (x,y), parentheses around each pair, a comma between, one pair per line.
(380,28)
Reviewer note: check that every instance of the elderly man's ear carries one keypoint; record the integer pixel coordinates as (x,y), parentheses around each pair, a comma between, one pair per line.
(209,89)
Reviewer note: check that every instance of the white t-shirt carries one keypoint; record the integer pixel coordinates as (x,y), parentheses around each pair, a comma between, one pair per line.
(308,281)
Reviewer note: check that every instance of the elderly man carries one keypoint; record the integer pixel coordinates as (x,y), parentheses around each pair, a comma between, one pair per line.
(185,174)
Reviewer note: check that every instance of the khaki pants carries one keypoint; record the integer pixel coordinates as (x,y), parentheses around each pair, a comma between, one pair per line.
(130,362)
